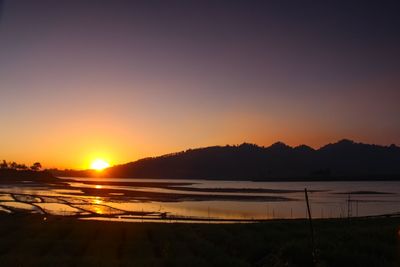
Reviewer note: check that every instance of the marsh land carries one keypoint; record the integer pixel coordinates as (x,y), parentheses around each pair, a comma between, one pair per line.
(49,221)
(35,240)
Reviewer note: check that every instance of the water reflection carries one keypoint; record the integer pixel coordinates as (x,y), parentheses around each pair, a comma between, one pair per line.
(58,209)
(97,200)
(328,199)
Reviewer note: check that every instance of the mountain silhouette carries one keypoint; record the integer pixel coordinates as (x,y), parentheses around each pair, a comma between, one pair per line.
(344,160)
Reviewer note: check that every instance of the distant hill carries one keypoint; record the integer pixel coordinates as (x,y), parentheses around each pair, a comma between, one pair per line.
(344,160)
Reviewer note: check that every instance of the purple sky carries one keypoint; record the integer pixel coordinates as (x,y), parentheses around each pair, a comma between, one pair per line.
(123,80)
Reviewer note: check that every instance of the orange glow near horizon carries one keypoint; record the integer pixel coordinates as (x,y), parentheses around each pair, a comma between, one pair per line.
(99,165)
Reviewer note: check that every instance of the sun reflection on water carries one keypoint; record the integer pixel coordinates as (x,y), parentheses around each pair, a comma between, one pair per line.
(99,210)
(97,206)
(97,200)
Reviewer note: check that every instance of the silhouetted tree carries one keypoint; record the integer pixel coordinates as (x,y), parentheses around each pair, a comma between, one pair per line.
(36,166)
(13,165)
(22,167)
(4,165)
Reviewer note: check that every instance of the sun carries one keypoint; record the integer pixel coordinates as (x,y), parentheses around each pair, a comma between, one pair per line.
(99,165)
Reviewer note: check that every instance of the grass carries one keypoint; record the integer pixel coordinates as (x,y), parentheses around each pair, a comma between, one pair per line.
(27,240)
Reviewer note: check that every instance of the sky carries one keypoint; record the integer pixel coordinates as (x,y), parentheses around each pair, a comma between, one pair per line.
(123,80)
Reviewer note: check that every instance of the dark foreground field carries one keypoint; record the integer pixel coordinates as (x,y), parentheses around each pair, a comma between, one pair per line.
(31,241)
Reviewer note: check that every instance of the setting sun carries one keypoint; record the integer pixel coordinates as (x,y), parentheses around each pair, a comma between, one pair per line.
(99,165)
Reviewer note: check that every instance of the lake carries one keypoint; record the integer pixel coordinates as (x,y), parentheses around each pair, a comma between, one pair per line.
(155,199)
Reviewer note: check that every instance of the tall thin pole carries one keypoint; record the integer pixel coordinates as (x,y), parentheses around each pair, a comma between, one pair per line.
(349,207)
(357,208)
(398,245)
(311,227)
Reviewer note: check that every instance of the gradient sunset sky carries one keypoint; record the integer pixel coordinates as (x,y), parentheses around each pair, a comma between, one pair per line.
(122,80)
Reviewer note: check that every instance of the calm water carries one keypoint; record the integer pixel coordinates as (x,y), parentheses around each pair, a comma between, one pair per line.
(328,199)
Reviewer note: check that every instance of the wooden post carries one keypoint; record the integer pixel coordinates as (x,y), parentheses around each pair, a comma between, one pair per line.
(398,246)
(357,208)
(311,227)
(349,207)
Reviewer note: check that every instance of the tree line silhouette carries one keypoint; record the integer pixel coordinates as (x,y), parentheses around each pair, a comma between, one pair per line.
(15,172)
(4,165)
